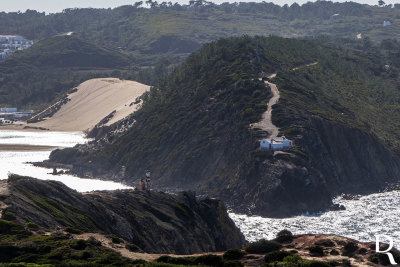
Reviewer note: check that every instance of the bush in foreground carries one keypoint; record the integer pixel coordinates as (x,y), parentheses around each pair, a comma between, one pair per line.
(284,236)
(276,256)
(316,251)
(234,254)
(262,246)
(204,260)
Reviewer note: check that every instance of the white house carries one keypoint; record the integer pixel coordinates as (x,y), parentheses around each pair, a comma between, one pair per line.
(277,143)
(386,23)
(8,110)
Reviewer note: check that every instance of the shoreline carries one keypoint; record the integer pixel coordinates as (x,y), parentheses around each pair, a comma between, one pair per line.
(34,129)
(14,147)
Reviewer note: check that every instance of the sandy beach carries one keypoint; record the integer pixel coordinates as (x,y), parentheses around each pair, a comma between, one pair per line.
(93,101)
(13,147)
(19,128)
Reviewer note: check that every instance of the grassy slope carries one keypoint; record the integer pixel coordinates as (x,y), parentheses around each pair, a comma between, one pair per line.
(68,51)
(28,246)
(53,66)
(352,88)
(151,36)
(135,30)
(203,110)
(19,245)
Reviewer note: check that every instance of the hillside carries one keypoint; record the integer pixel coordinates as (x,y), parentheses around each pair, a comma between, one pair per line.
(70,52)
(145,44)
(96,102)
(152,222)
(193,130)
(173,29)
(46,223)
(52,67)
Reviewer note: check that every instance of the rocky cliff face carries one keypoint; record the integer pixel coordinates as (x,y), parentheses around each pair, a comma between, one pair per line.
(331,159)
(155,222)
(348,159)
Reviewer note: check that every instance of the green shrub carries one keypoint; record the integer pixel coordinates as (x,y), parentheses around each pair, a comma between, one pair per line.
(78,244)
(276,256)
(164,258)
(383,259)
(31,226)
(234,254)
(346,263)
(349,248)
(316,251)
(8,215)
(177,260)
(262,246)
(284,236)
(232,264)
(132,247)
(325,243)
(10,228)
(7,252)
(334,252)
(115,239)
(82,255)
(209,259)
(73,230)
(317,264)
(138,262)
(93,241)
(292,259)
(295,260)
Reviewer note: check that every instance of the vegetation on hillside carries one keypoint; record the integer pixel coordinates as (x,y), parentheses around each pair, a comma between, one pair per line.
(205,107)
(358,87)
(170,28)
(52,67)
(69,51)
(153,40)
(176,223)
(193,129)
(22,247)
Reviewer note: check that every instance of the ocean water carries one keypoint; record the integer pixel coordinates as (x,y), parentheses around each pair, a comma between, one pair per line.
(17,161)
(62,139)
(365,217)
(362,220)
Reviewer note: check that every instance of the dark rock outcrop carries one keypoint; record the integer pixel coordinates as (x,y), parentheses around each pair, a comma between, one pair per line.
(349,160)
(156,222)
(334,159)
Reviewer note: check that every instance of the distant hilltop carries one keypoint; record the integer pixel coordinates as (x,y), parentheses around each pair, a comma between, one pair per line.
(9,44)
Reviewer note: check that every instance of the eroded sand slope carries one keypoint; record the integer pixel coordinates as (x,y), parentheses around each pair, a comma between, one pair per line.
(94,100)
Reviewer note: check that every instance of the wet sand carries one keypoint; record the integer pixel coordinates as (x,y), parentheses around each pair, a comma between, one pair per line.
(12,147)
(17,127)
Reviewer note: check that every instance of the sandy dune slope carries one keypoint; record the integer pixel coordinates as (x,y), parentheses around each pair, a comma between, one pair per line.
(94,100)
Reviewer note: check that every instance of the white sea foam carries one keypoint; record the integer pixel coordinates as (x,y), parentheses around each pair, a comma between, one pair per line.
(362,220)
(16,161)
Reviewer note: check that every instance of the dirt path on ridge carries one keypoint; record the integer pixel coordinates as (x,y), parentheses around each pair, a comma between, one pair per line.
(265,124)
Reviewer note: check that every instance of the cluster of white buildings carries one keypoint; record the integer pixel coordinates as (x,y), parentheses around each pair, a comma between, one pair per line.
(9,114)
(9,44)
(277,143)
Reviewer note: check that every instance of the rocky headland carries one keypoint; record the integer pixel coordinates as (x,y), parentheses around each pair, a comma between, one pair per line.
(154,222)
